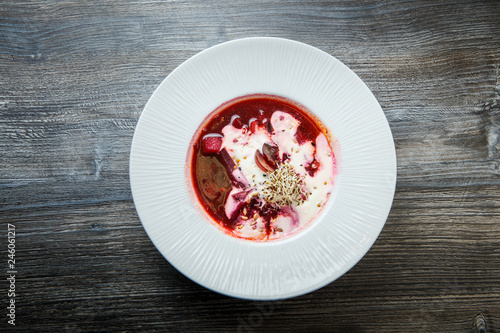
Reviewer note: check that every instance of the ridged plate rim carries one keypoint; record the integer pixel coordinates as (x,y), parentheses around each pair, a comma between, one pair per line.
(335,241)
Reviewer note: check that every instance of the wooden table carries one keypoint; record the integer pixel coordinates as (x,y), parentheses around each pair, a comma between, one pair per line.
(74,78)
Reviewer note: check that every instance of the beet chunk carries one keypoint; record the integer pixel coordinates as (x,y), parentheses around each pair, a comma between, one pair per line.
(211,144)
(254,123)
(262,163)
(236,122)
(233,171)
(268,126)
(270,152)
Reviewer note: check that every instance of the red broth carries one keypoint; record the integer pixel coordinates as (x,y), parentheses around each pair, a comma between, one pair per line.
(210,175)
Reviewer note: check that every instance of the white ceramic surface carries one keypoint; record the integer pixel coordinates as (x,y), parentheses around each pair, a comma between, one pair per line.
(314,257)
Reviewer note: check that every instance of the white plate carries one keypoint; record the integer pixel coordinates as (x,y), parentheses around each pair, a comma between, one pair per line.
(314,257)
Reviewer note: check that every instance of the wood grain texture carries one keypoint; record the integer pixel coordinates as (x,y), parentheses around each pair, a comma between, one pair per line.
(74,77)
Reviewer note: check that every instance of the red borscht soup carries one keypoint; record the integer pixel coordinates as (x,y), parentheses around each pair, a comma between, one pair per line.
(262,167)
